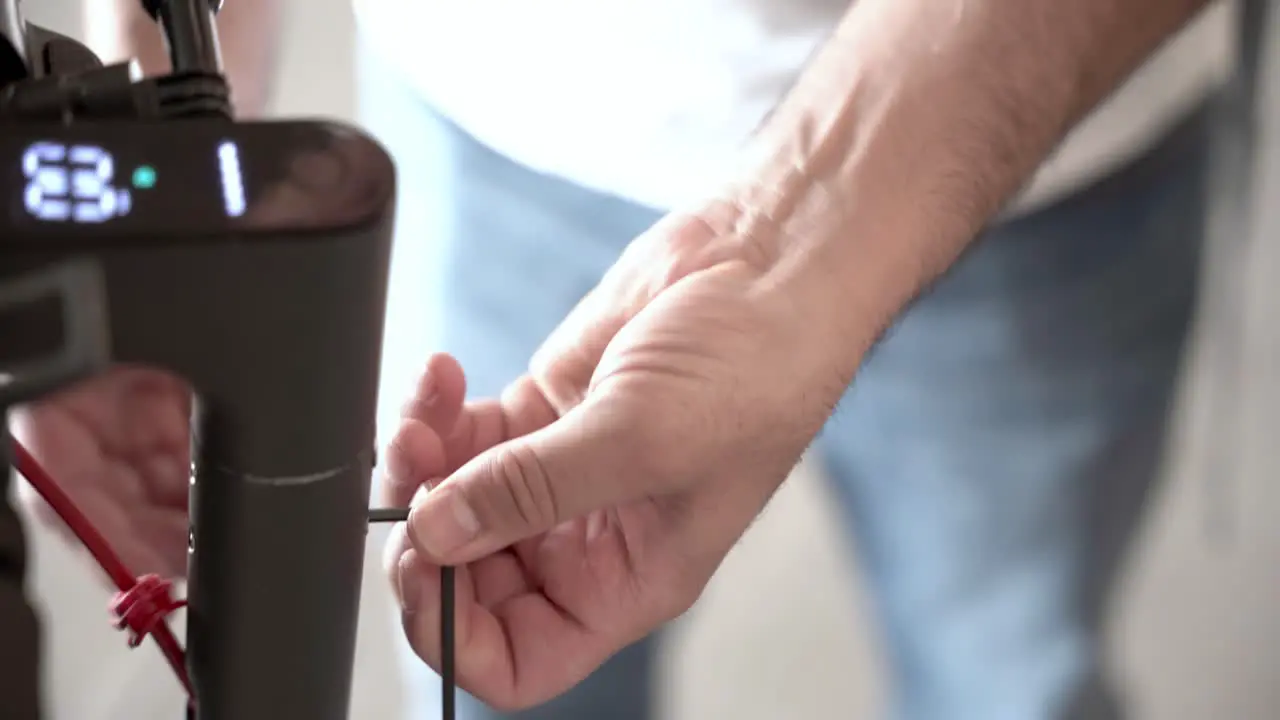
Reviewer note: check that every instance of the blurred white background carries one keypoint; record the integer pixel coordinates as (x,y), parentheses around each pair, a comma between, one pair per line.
(781,633)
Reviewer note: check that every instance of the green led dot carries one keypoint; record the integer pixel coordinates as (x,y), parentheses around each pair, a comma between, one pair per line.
(144,177)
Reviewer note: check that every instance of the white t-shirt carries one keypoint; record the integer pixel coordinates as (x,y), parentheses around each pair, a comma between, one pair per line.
(652,100)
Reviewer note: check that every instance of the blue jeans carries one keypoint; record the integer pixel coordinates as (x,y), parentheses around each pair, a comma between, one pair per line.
(991,460)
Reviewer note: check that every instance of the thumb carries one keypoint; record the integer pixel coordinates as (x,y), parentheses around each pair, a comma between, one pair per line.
(589,459)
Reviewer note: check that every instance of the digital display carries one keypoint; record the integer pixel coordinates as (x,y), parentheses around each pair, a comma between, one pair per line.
(189,178)
(72,183)
(232,179)
(78,183)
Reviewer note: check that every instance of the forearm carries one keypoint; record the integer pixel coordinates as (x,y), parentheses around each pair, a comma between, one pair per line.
(248,32)
(912,128)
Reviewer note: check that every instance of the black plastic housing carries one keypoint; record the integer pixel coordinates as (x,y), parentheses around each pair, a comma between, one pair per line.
(276,319)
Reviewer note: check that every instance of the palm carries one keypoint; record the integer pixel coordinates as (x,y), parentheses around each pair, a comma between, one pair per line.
(592,570)
(117,444)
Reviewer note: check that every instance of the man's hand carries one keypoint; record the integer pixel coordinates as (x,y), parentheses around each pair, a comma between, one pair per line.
(594,501)
(118,445)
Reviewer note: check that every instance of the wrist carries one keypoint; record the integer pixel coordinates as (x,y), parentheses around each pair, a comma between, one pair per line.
(912,127)
(884,162)
(828,272)
(850,229)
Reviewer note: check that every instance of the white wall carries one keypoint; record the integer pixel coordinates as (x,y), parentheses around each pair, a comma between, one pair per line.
(780,632)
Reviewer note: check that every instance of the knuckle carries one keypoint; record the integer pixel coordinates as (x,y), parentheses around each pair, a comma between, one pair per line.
(750,237)
(682,252)
(714,237)
(528,487)
(688,237)
(562,376)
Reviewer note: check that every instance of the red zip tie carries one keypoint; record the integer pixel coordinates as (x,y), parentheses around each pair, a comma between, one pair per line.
(143,603)
(143,608)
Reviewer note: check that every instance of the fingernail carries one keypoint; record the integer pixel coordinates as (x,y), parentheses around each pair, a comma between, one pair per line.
(423,396)
(428,390)
(443,523)
(420,495)
(406,582)
(399,469)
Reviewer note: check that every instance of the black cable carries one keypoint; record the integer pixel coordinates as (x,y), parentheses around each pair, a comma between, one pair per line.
(448,680)
(391,515)
(448,672)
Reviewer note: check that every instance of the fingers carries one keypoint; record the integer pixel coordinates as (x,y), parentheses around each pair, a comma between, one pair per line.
(675,246)
(161,544)
(129,409)
(567,360)
(166,478)
(565,363)
(118,445)
(146,539)
(437,399)
(585,461)
(497,579)
(415,457)
(417,454)
(440,433)
(156,411)
(515,652)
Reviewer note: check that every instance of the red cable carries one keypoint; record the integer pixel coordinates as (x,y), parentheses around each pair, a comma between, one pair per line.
(144,602)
